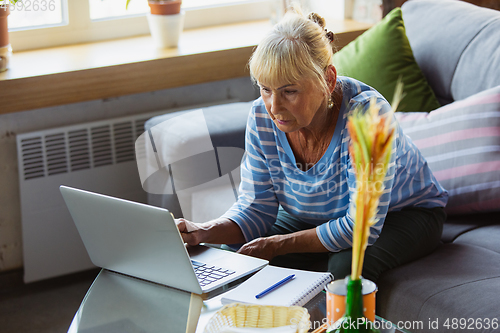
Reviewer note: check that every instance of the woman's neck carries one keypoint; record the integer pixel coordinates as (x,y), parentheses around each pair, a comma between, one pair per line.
(310,143)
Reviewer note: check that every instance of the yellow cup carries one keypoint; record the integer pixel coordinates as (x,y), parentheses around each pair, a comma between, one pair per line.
(336,292)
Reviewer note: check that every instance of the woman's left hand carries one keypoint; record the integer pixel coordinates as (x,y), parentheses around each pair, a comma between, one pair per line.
(263,247)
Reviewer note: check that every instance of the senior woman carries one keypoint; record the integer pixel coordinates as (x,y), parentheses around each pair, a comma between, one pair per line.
(297,180)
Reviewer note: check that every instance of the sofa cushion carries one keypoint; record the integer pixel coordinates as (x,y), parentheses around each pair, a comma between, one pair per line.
(459,52)
(465,301)
(434,286)
(461,143)
(380,56)
(485,237)
(457,225)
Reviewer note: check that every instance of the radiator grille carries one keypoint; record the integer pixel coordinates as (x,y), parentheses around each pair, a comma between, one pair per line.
(80,147)
(140,150)
(101,146)
(139,126)
(79,150)
(33,158)
(124,142)
(55,148)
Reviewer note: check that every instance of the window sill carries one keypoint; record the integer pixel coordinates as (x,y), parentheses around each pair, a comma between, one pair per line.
(77,73)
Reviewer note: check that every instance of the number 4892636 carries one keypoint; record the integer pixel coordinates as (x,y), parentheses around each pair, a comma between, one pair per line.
(471,324)
(30,5)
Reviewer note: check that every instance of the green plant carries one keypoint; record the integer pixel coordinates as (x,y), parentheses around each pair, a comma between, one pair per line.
(370,150)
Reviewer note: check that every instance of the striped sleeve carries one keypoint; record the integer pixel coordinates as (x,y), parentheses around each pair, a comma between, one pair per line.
(256,209)
(336,234)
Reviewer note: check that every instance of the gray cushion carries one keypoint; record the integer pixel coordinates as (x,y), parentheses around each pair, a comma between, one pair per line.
(486,237)
(465,301)
(434,286)
(456,45)
(461,143)
(459,224)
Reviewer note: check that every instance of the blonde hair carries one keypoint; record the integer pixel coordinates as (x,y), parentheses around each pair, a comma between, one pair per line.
(296,48)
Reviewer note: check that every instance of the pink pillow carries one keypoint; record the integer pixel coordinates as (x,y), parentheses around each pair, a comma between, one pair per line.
(461,143)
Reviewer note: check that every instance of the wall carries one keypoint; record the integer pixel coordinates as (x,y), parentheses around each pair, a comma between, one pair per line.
(11,124)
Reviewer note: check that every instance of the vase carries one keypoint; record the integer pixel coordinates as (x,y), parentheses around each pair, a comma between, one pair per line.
(336,293)
(166,21)
(5,48)
(353,320)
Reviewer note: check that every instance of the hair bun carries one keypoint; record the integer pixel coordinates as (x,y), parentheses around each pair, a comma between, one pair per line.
(317,19)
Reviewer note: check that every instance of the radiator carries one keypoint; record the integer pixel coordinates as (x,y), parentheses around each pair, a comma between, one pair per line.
(97,156)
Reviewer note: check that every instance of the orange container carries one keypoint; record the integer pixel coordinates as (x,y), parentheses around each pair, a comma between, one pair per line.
(168,7)
(336,292)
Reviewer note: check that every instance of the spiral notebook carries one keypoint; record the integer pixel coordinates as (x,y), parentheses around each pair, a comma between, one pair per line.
(298,291)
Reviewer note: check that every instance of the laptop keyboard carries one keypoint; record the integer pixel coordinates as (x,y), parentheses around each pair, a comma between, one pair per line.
(207,274)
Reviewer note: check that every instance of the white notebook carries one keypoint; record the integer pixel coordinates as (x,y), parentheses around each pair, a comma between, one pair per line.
(297,291)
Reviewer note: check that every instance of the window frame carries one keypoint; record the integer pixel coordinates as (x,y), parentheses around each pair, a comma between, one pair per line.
(81,29)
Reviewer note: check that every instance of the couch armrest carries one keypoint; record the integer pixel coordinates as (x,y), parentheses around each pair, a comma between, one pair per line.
(456,44)
(202,186)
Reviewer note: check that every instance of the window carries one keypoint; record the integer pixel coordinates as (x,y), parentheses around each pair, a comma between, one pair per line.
(36,14)
(44,23)
(107,9)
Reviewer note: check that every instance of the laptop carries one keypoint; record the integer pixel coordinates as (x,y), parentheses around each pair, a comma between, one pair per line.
(143,241)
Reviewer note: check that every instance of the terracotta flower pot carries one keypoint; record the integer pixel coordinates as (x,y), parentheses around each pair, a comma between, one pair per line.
(165,22)
(5,48)
(4,30)
(165,7)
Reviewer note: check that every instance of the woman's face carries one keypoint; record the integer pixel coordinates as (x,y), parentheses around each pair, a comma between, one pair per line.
(294,106)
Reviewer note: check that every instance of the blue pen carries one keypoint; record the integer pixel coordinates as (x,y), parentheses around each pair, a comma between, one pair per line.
(275,286)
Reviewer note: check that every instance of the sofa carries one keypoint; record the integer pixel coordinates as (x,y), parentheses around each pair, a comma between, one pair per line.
(455,47)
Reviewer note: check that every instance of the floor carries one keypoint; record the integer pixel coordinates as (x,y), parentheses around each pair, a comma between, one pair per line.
(43,307)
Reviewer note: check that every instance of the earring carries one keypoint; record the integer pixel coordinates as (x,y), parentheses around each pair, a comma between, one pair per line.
(330,103)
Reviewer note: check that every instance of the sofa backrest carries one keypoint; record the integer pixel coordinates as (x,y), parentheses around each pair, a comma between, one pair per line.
(456,45)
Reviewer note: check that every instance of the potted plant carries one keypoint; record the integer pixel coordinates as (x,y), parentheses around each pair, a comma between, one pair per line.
(370,151)
(165,21)
(5,48)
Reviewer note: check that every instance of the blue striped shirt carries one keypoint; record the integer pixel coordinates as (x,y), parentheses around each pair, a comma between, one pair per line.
(321,196)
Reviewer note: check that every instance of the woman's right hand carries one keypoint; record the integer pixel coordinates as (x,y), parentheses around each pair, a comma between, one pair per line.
(192,233)
(218,231)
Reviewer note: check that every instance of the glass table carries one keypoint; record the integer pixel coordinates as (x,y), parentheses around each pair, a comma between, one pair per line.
(119,303)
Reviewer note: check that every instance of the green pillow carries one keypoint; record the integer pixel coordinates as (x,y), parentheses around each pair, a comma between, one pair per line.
(380,56)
